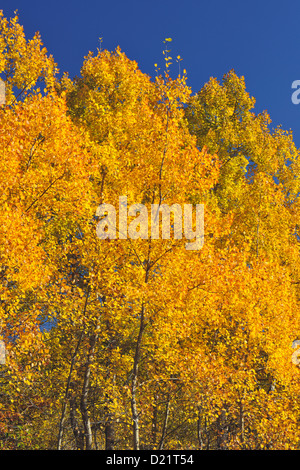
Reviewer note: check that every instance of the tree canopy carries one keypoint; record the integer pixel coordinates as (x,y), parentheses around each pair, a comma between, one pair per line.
(139,343)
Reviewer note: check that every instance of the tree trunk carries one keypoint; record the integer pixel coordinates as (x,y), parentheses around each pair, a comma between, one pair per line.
(64,408)
(163,434)
(109,433)
(135,414)
(73,360)
(137,355)
(242,424)
(78,434)
(84,395)
(199,429)
(154,423)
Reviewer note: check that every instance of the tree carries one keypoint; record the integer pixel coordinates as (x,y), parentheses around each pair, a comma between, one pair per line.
(138,342)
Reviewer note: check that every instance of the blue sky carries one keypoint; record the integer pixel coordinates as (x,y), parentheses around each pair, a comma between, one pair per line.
(259,40)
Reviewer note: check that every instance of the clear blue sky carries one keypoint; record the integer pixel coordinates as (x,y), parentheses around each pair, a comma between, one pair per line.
(258,39)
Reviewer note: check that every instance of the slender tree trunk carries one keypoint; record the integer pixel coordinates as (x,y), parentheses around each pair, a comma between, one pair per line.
(110,432)
(64,408)
(78,434)
(221,434)
(135,414)
(207,432)
(200,430)
(137,355)
(84,395)
(242,424)
(73,360)
(154,423)
(163,434)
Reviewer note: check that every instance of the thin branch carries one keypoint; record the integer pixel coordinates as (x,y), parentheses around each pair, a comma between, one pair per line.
(44,192)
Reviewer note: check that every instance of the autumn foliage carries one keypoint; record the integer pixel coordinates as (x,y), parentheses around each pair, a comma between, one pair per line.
(140,343)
